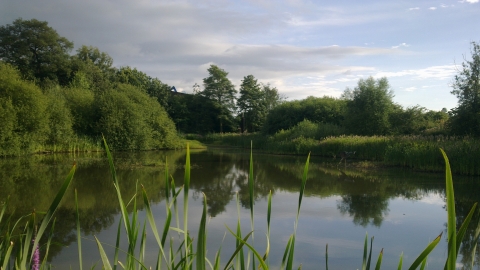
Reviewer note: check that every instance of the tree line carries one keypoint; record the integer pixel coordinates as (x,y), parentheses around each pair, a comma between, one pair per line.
(51,98)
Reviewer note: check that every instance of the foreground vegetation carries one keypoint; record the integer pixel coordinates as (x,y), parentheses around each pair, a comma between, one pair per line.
(29,247)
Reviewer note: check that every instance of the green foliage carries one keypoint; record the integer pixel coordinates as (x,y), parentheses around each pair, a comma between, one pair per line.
(130,119)
(152,86)
(369,107)
(36,50)
(219,88)
(60,120)
(309,129)
(326,110)
(23,109)
(466,87)
(251,104)
(91,69)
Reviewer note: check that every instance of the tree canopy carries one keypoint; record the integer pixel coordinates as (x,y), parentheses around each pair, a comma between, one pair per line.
(369,105)
(466,87)
(36,49)
(220,89)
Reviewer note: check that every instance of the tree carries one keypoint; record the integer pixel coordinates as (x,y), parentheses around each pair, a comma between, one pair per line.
(368,107)
(466,87)
(36,50)
(251,104)
(220,89)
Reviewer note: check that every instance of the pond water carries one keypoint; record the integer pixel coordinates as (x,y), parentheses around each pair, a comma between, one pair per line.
(403,210)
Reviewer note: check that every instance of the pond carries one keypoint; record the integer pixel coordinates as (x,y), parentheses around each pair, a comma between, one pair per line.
(402,209)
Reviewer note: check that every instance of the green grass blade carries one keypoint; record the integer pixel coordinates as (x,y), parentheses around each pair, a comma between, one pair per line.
(117,246)
(365,251)
(464,226)
(259,257)
(424,264)
(326,257)
(302,188)
(7,256)
(79,236)
(123,209)
(400,263)
(167,182)
(251,193)
(451,227)
(425,253)
(370,254)
(201,239)
(379,260)
(290,254)
(287,250)
(49,242)
(53,207)
(106,263)
(186,187)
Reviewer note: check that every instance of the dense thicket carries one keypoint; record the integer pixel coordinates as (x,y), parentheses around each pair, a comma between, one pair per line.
(318,110)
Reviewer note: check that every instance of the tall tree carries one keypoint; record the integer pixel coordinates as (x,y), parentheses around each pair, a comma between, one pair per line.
(466,86)
(251,104)
(220,89)
(369,106)
(36,50)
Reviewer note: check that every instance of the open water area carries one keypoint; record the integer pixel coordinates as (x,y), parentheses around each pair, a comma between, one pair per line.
(404,210)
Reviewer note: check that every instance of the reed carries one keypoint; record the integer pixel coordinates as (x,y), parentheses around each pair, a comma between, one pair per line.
(191,253)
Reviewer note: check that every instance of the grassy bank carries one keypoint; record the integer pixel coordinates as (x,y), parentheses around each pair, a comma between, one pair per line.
(33,241)
(417,152)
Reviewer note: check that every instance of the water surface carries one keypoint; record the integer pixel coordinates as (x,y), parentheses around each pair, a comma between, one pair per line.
(402,209)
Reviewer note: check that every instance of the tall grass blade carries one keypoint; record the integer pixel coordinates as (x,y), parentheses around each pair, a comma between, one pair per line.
(451,227)
(241,258)
(424,264)
(269,214)
(379,260)
(53,208)
(186,187)
(257,255)
(117,246)
(6,259)
(400,263)
(251,196)
(49,242)
(106,263)
(123,209)
(425,253)
(79,236)
(326,257)
(464,226)
(287,250)
(370,254)
(167,182)
(201,239)
(365,251)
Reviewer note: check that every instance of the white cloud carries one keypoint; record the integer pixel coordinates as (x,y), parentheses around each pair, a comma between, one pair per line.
(443,6)
(410,89)
(435,72)
(432,8)
(414,8)
(469,1)
(400,45)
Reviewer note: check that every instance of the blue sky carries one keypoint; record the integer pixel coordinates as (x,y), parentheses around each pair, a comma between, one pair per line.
(304,48)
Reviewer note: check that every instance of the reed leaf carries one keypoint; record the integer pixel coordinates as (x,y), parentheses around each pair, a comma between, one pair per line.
(365,251)
(186,187)
(424,264)
(123,209)
(49,242)
(117,246)
(79,236)
(6,258)
(400,263)
(201,239)
(379,260)
(105,262)
(425,253)
(257,255)
(287,250)
(451,220)
(326,257)
(251,193)
(53,207)
(370,253)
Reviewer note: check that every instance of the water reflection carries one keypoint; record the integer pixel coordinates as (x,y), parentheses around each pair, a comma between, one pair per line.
(362,196)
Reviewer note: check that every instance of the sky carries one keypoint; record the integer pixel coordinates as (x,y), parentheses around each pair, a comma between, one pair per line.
(303,48)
